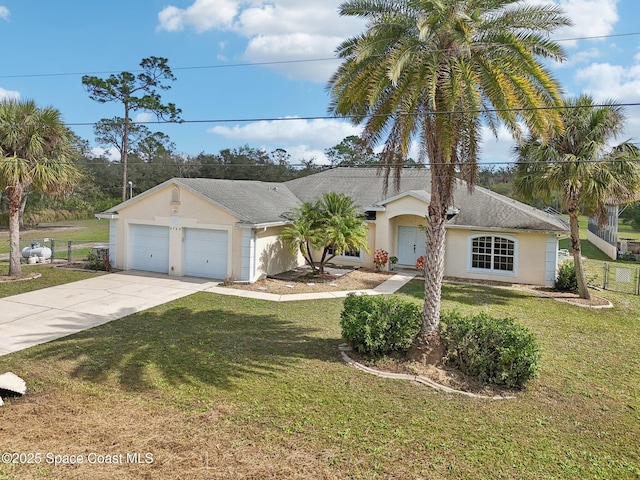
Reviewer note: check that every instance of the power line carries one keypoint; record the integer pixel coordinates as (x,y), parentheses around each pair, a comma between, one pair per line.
(363,117)
(417,166)
(277,62)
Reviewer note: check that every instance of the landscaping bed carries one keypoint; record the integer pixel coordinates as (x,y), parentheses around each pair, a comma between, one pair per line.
(440,374)
(345,280)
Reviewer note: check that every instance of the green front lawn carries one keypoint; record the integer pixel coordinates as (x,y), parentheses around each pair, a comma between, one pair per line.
(225,387)
(49,277)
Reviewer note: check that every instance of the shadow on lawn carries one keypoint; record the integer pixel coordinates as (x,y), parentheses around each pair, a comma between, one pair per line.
(180,346)
(466,294)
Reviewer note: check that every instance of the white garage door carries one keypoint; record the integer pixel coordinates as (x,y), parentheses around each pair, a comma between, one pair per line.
(205,253)
(149,248)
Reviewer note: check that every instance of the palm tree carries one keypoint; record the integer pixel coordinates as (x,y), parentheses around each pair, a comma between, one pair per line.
(34,153)
(332,225)
(581,167)
(342,228)
(435,70)
(302,231)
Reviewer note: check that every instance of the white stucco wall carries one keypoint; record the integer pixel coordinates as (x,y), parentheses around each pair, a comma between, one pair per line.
(366,258)
(272,255)
(605,247)
(531,257)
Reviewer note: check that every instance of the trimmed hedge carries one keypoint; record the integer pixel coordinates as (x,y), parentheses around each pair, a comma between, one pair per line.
(378,325)
(493,350)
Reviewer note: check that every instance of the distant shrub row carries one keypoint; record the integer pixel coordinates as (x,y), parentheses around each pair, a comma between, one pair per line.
(47,216)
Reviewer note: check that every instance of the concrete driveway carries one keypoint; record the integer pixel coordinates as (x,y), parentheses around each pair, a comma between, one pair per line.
(43,315)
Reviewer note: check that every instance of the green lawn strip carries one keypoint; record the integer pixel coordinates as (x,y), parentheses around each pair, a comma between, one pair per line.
(276,370)
(92,230)
(50,277)
(627,232)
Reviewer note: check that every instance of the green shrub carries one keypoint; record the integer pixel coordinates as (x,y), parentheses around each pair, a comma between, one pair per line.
(99,260)
(378,325)
(493,350)
(566,280)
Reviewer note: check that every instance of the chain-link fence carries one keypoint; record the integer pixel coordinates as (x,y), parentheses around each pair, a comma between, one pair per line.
(617,277)
(60,250)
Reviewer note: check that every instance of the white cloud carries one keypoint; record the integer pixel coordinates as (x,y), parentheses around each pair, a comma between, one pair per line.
(605,81)
(496,150)
(9,94)
(144,117)
(110,153)
(303,139)
(276,30)
(304,152)
(591,18)
(4,13)
(202,15)
(298,46)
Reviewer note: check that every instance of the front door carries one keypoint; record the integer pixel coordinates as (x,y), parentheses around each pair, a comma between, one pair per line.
(412,243)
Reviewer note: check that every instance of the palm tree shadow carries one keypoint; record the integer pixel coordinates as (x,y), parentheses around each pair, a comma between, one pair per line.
(182,346)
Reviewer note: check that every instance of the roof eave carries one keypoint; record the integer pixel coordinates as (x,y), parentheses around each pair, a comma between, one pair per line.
(510,230)
(107,216)
(263,224)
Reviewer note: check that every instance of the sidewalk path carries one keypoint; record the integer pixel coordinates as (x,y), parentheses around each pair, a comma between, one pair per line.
(43,315)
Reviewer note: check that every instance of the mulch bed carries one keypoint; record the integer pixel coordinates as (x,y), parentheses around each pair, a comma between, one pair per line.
(361,279)
(568,297)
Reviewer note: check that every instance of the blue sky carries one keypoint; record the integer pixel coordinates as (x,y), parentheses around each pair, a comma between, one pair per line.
(71,38)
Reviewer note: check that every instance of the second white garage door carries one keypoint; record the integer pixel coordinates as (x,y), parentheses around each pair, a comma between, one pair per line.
(205,253)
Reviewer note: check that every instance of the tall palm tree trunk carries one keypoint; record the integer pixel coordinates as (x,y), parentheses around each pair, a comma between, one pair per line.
(434,271)
(427,347)
(583,291)
(14,194)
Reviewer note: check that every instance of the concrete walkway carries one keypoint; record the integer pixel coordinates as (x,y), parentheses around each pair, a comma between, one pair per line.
(43,315)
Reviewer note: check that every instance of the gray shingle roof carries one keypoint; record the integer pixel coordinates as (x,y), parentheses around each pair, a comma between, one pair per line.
(252,201)
(483,208)
(363,185)
(255,202)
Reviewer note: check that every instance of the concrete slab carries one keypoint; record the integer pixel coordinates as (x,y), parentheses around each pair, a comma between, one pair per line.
(12,311)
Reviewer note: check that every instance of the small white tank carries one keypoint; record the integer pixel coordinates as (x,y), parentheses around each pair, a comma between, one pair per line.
(35,250)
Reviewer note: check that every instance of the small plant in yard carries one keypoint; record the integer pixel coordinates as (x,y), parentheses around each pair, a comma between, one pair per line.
(380,258)
(99,261)
(421,261)
(493,350)
(379,325)
(566,280)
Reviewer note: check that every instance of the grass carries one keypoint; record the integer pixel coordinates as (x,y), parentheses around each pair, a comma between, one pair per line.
(226,387)
(627,232)
(49,277)
(78,231)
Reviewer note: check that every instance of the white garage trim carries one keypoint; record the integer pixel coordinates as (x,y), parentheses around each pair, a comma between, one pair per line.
(248,255)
